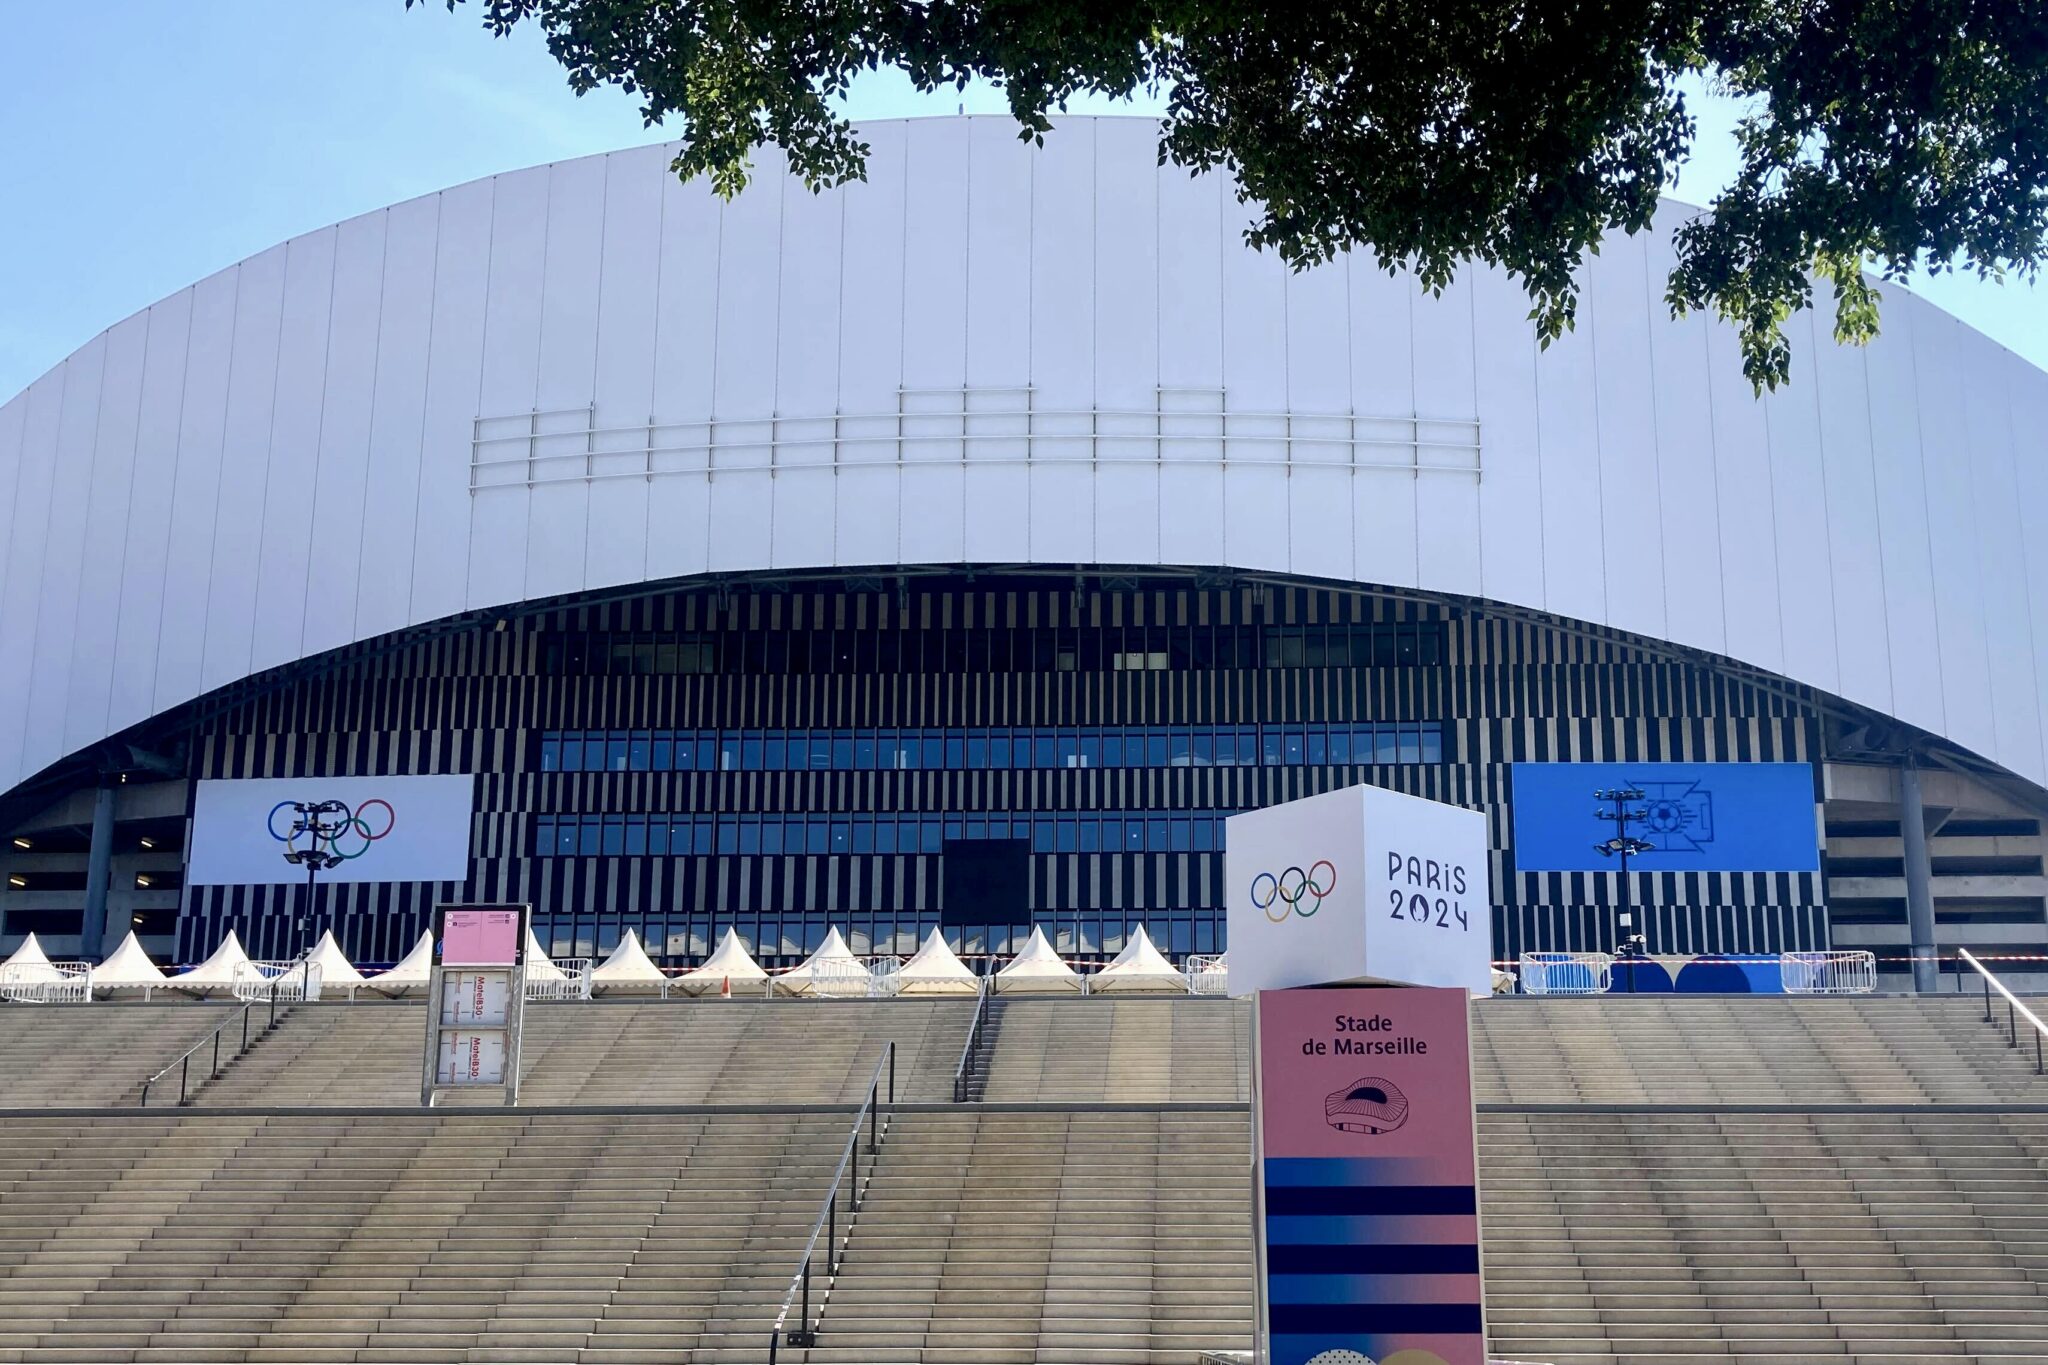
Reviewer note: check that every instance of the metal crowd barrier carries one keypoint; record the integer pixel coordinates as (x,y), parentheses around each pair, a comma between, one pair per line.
(573,985)
(26,985)
(1208,974)
(1834,972)
(1566,973)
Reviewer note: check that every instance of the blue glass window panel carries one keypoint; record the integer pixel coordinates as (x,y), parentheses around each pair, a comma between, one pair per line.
(750,752)
(657,836)
(614,836)
(1318,745)
(660,751)
(616,752)
(772,835)
(1091,834)
(544,835)
(1041,836)
(863,836)
(1386,744)
(1411,744)
(956,752)
(842,751)
(775,753)
(1432,744)
(1269,748)
(1112,749)
(1044,751)
(999,749)
(572,752)
(864,753)
(640,752)
(551,752)
(1067,835)
(636,836)
(1155,748)
(932,836)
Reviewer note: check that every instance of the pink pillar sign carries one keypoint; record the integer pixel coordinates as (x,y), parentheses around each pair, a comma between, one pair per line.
(1368,1212)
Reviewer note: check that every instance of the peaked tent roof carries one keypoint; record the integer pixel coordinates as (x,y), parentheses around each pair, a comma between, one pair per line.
(218,971)
(539,966)
(1037,969)
(335,969)
(628,968)
(1139,967)
(128,968)
(30,963)
(411,972)
(934,969)
(832,970)
(729,961)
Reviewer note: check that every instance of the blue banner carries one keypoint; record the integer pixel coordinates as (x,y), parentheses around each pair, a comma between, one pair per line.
(1701,817)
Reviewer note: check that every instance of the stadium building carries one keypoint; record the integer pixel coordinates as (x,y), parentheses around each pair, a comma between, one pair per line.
(960,547)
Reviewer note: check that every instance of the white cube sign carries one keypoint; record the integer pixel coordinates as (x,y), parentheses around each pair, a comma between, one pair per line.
(1359,885)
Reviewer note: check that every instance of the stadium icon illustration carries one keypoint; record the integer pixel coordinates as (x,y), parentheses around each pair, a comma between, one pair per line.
(1371,1104)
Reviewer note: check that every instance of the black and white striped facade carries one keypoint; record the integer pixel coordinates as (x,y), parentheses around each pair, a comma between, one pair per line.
(1501,690)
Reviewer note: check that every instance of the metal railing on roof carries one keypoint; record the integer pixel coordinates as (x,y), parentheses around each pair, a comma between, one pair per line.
(845,1178)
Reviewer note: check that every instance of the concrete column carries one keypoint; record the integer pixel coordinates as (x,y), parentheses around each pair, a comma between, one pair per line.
(1919,892)
(99,866)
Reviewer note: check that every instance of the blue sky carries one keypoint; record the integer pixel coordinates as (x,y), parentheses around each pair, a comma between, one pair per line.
(144,144)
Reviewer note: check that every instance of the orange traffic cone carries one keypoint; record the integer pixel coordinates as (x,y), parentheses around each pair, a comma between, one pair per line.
(725,988)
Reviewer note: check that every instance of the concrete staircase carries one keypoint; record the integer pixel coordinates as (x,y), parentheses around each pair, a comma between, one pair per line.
(1685,1238)
(1067,1236)
(437,1237)
(675,1052)
(68,1056)
(1079,1049)
(1743,1050)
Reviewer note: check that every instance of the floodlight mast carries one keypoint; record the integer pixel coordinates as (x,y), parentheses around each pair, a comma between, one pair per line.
(1631,943)
(324,821)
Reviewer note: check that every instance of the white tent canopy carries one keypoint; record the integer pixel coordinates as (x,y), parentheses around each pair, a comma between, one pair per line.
(629,968)
(729,962)
(336,971)
(217,973)
(128,968)
(411,972)
(934,969)
(29,964)
(1038,969)
(832,970)
(1139,967)
(539,966)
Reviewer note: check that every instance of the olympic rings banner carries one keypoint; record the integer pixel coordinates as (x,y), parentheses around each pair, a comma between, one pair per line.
(379,829)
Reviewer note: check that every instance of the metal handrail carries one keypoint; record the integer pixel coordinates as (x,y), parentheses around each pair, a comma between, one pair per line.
(799,1294)
(970,1057)
(184,1063)
(2014,1011)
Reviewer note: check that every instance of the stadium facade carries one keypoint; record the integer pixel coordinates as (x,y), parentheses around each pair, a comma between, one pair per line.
(963,545)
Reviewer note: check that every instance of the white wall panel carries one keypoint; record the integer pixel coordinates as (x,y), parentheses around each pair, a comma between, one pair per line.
(289,453)
(385,542)
(995,486)
(558,515)
(872,322)
(1618,296)
(1063,342)
(185,600)
(511,375)
(340,483)
(455,358)
(1511,485)
(1690,511)
(628,321)
(1874,530)
(109,498)
(1902,524)
(64,554)
(1959,600)
(1996,504)
(1799,500)
(132,673)
(1447,555)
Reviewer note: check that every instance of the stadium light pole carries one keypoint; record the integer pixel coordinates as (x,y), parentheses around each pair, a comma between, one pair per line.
(324,821)
(1624,846)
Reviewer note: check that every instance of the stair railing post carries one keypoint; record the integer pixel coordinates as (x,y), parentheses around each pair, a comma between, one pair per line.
(1987,998)
(245,1028)
(892,1071)
(2012,1022)
(215,1074)
(184,1069)
(807,1295)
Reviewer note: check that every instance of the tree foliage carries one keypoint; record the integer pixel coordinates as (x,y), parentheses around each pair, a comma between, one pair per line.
(1879,134)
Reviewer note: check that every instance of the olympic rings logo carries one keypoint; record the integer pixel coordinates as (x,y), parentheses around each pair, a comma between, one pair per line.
(1293,889)
(336,829)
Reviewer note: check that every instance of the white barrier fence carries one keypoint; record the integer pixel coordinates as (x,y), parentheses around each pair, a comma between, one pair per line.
(573,985)
(288,983)
(1837,972)
(1566,973)
(1208,974)
(34,984)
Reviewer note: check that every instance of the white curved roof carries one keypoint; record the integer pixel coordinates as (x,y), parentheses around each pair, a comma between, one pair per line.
(30,963)
(831,970)
(1147,390)
(218,971)
(335,968)
(411,972)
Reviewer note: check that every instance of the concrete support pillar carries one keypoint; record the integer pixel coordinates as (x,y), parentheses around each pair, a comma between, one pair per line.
(99,869)
(1919,891)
